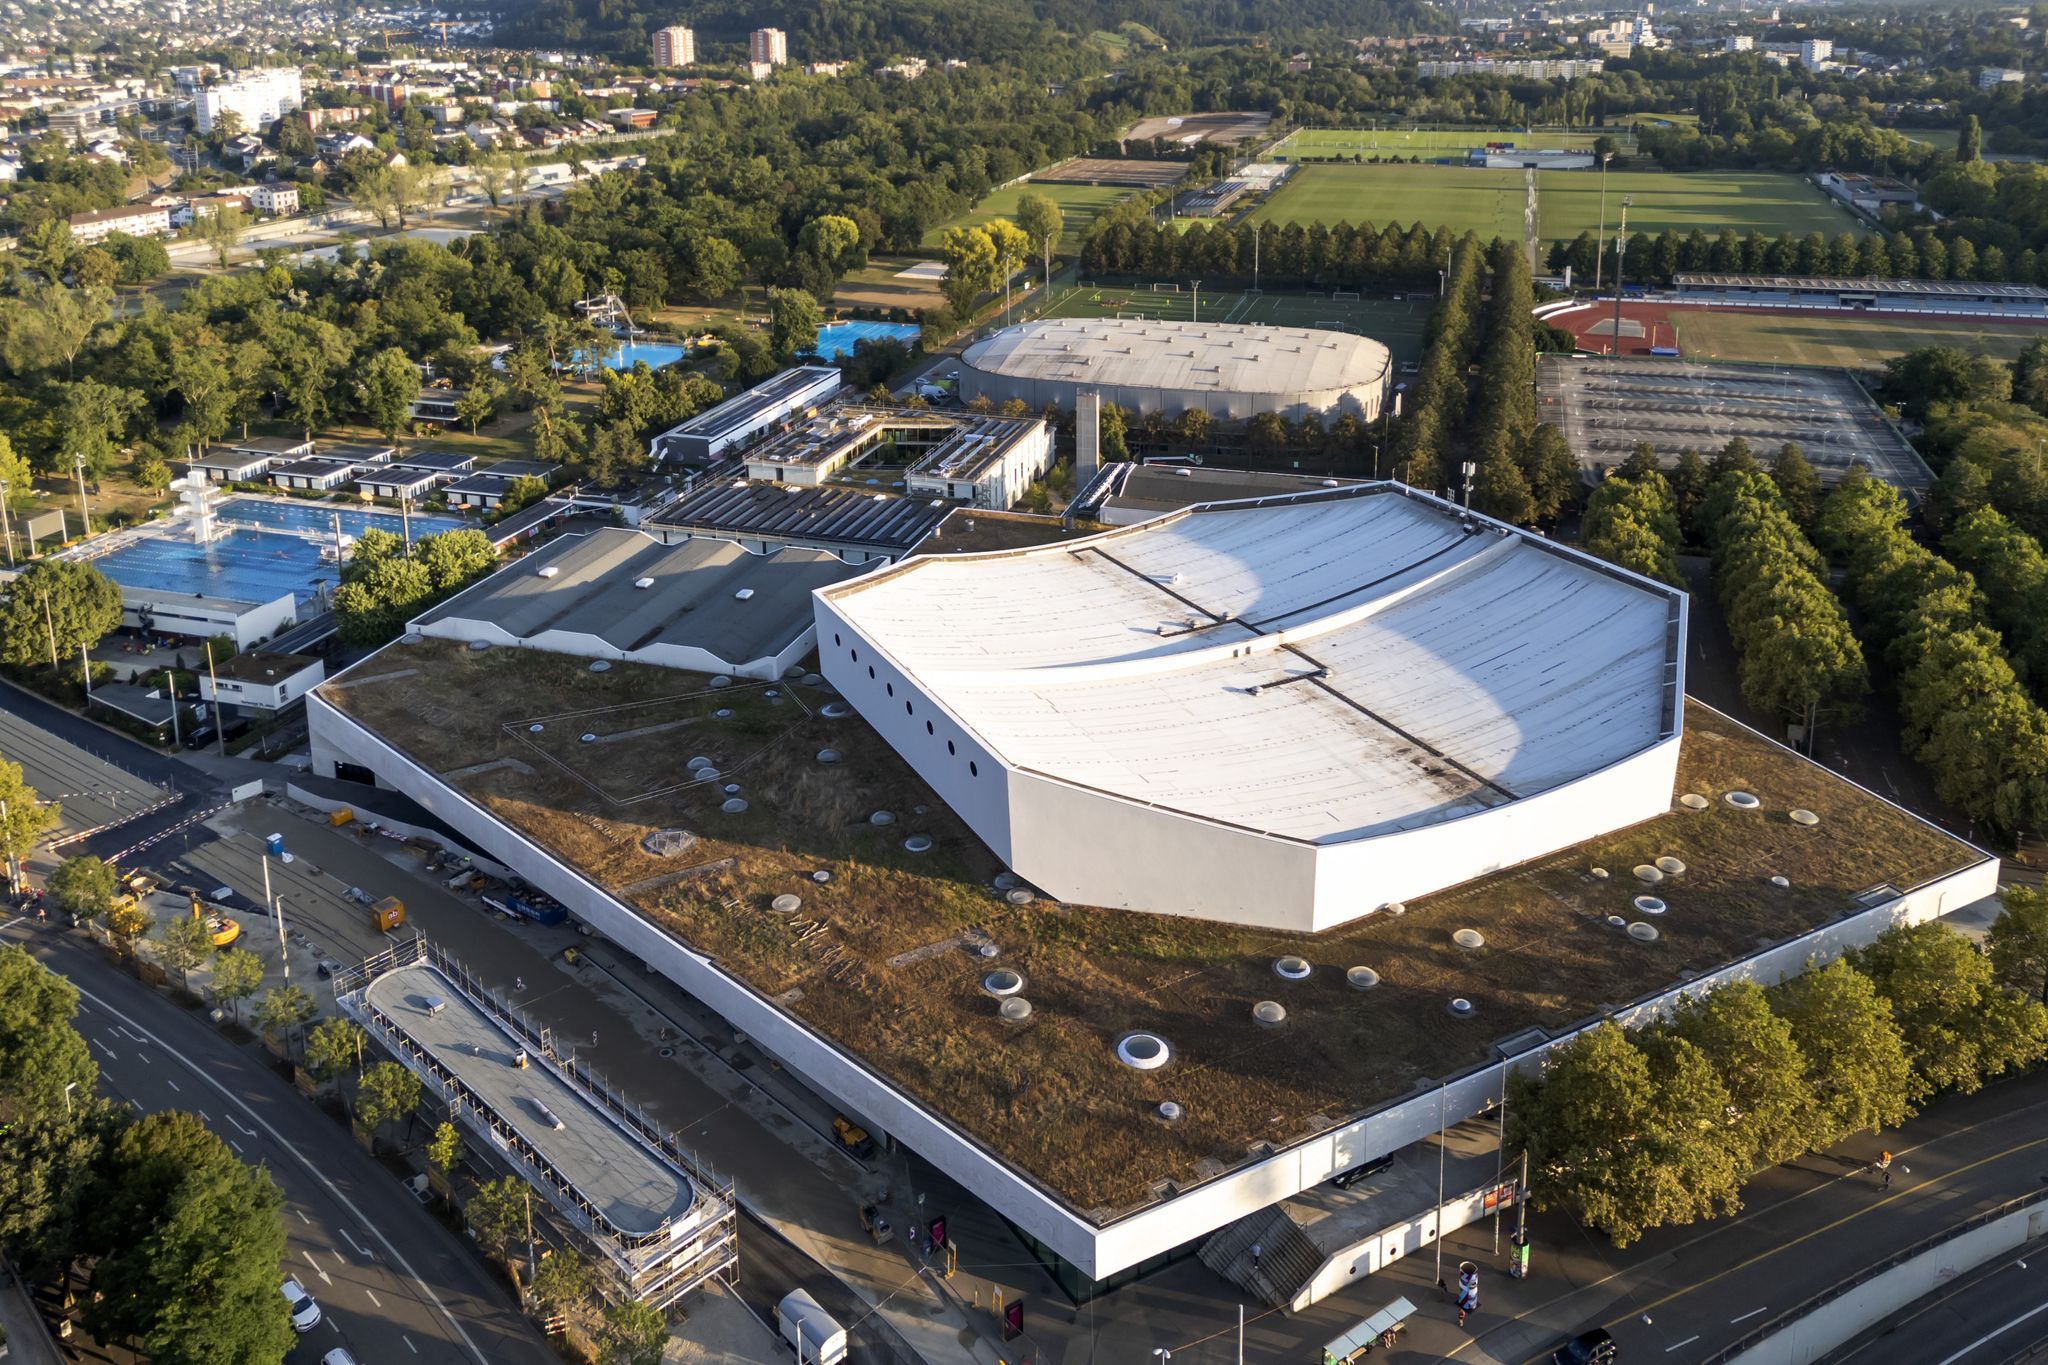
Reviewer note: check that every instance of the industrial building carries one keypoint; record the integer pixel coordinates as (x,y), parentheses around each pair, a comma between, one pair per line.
(966,457)
(1228,370)
(858,526)
(1125,492)
(747,416)
(1966,297)
(706,605)
(1237,712)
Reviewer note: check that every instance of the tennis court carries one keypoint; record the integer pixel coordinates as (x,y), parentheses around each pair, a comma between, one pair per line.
(1396,324)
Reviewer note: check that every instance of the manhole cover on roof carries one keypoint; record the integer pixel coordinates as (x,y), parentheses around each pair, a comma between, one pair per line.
(600,665)
(1671,867)
(1291,968)
(1017,895)
(1646,873)
(731,789)
(882,817)
(918,843)
(1270,1013)
(1742,800)
(1362,978)
(698,762)
(772,693)
(1600,874)
(734,805)
(835,710)
(1693,801)
(535,728)
(1644,933)
(810,680)
(1805,817)
(721,681)
(1002,981)
(1460,1006)
(786,904)
(1650,905)
(703,774)
(1143,1051)
(1015,1010)
(1167,1111)
(828,755)
(1617,921)
(668,1052)
(1469,938)
(1780,882)
(479,646)
(1007,881)
(668,843)
(589,738)
(722,713)
(821,876)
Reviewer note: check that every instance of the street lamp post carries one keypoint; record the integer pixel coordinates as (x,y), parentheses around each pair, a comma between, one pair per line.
(84,508)
(1598,246)
(1256,229)
(69,1086)
(6,523)
(1620,258)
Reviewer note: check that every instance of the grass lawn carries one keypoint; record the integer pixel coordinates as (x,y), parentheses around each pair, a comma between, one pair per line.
(1079,203)
(1855,339)
(1434,142)
(1487,202)
(1395,324)
(1568,203)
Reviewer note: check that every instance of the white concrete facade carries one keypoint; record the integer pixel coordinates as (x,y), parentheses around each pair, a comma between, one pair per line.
(257,98)
(1388,697)
(996,485)
(1096,1250)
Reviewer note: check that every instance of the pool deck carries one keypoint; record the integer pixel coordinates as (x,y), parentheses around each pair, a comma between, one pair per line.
(627,1183)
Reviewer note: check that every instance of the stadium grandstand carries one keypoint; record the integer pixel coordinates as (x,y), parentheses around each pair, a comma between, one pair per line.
(1964,297)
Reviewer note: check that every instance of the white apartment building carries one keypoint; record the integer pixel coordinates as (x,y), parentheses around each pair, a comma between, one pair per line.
(1814,51)
(1741,42)
(257,98)
(769,45)
(136,220)
(275,198)
(675,45)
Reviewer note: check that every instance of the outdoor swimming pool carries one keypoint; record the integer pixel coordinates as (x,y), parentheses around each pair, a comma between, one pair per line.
(272,549)
(655,353)
(836,340)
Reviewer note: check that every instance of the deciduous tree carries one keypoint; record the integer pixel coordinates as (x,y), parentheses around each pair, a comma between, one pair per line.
(237,973)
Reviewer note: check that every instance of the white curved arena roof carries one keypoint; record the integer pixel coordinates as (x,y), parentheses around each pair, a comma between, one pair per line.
(1323,667)
(1223,357)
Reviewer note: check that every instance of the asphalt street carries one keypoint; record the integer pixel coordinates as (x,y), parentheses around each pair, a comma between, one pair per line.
(1992,1315)
(392,1282)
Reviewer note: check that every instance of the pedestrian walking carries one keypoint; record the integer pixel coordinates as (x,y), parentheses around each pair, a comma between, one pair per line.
(593,1037)
(1468,1290)
(519,984)
(1884,1166)
(1255,1255)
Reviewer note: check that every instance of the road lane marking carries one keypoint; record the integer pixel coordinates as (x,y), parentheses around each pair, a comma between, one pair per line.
(371,1294)
(1687,1342)
(236,1145)
(1996,1332)
(245,1132)
(135,1036)
(138,1105)
(1750,1314)
(205,1117)
(332,1189)
(303,1219)
(112,1056)
(316,1267)
(172,1084)
(361,1250)
(11,923)
(408,1343)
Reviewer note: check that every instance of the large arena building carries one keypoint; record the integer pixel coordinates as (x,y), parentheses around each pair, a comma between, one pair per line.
(1230,371)
(1287,712)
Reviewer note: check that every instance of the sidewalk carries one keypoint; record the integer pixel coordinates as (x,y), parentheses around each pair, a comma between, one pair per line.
(28,1340)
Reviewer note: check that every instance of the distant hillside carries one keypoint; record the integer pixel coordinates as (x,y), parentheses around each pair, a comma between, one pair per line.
(982,30)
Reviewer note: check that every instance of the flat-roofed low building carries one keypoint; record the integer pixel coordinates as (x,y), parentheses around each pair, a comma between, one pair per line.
(1126,493)
(747,416)
(247,460)
(857,526)
(314,473)
(414,474)
(711,606)
(980,460)
(484,489)
(261,680)
(136,220)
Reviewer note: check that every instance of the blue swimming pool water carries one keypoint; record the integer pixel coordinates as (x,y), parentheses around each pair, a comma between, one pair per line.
(836,340)
(655,353)
(256,561)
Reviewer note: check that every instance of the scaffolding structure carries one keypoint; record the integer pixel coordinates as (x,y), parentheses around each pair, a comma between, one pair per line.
(656,1267)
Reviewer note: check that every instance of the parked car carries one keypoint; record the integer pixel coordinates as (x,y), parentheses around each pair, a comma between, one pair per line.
(1587,1348)
(305,1312)
(338,1356)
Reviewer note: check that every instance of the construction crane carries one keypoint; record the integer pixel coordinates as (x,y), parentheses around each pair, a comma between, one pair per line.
(444,25)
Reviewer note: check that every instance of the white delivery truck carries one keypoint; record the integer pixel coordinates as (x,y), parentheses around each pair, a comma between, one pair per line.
(810,1330)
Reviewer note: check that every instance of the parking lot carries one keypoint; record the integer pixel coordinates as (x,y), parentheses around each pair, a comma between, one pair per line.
(1605,406)
(93,794)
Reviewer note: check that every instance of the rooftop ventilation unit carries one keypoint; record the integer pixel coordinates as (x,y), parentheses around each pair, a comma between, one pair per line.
(744,595)
(549,572)
(643,582)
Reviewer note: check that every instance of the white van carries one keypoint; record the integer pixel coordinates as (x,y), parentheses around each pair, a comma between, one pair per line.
(810,1330)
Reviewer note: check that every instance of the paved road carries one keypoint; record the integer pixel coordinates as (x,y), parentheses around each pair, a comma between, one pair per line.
(393,1283)
(1986,1317)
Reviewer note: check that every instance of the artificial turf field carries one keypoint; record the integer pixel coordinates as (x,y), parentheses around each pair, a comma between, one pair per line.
(1395,323)
(1490,202)
(1079,205)
(1855,340)
(1431,142)
(1771,203)
(1487,202)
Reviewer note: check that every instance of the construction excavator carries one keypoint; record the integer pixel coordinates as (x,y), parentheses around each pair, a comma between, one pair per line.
(224,929)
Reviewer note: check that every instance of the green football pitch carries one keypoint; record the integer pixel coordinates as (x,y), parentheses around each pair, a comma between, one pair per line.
(1771,203)
(1079,206)
(1487,202)
(1396,324)
(1491,203)
(1311,142)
